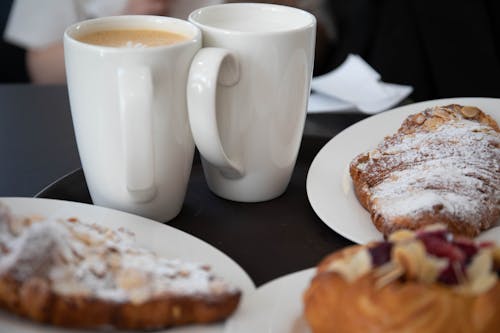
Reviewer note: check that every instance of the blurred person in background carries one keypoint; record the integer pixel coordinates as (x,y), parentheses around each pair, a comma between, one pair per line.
(446,48)
(38,26)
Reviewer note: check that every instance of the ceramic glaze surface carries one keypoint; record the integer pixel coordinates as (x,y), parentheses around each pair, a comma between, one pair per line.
(130,116)
(247,115)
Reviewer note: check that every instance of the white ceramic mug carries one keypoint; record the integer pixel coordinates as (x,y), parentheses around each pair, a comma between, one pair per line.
(130,115)
(247,96)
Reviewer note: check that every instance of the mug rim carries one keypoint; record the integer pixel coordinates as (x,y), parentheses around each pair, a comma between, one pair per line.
(198,12)
(69,32)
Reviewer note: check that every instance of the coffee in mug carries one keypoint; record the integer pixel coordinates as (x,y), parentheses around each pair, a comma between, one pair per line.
(132,38)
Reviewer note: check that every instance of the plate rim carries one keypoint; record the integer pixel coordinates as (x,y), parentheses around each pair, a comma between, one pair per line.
(247,287)
(403,111)
(304,274)
(134,216)
(39,194)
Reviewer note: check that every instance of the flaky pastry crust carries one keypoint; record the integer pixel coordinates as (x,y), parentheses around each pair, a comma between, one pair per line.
(73,274)
(442,165)
(333,304)
(35,300)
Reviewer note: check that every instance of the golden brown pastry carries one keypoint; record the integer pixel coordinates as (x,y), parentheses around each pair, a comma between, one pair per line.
(69,273)
(442,165)
(425,281)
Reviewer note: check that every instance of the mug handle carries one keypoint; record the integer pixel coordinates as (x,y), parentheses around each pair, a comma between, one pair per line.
(135,91)
(211,66)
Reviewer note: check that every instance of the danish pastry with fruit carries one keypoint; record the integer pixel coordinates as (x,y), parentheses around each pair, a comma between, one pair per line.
(73,274)
(424,281)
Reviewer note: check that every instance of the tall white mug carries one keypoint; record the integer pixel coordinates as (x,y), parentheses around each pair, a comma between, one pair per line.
(129,113)
(247,96)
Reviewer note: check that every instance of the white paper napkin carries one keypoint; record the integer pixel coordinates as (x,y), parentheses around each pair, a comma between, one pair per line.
(354,86)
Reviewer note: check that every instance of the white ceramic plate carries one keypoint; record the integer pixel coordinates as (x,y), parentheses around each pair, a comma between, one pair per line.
(164,240)
(275,307)
(329,186)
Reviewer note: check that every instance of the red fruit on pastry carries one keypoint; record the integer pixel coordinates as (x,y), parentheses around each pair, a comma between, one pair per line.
(426,281)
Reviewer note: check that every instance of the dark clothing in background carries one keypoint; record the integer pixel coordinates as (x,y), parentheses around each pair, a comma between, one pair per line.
(13,68)
(443,48)
(12,64)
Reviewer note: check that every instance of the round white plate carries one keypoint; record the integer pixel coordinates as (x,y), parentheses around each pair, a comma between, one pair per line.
(329,186)
(164,240)
(275,307)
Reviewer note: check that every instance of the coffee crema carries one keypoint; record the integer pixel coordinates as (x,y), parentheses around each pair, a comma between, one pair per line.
(132,38)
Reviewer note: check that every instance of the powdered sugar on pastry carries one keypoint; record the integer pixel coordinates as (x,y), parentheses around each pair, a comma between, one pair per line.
(440,163)
(445,173)
(90,260)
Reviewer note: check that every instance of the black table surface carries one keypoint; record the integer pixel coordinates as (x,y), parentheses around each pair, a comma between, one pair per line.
(267,239)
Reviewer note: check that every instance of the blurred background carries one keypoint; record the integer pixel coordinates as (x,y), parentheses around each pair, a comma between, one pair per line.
(13,57)
(442,48)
